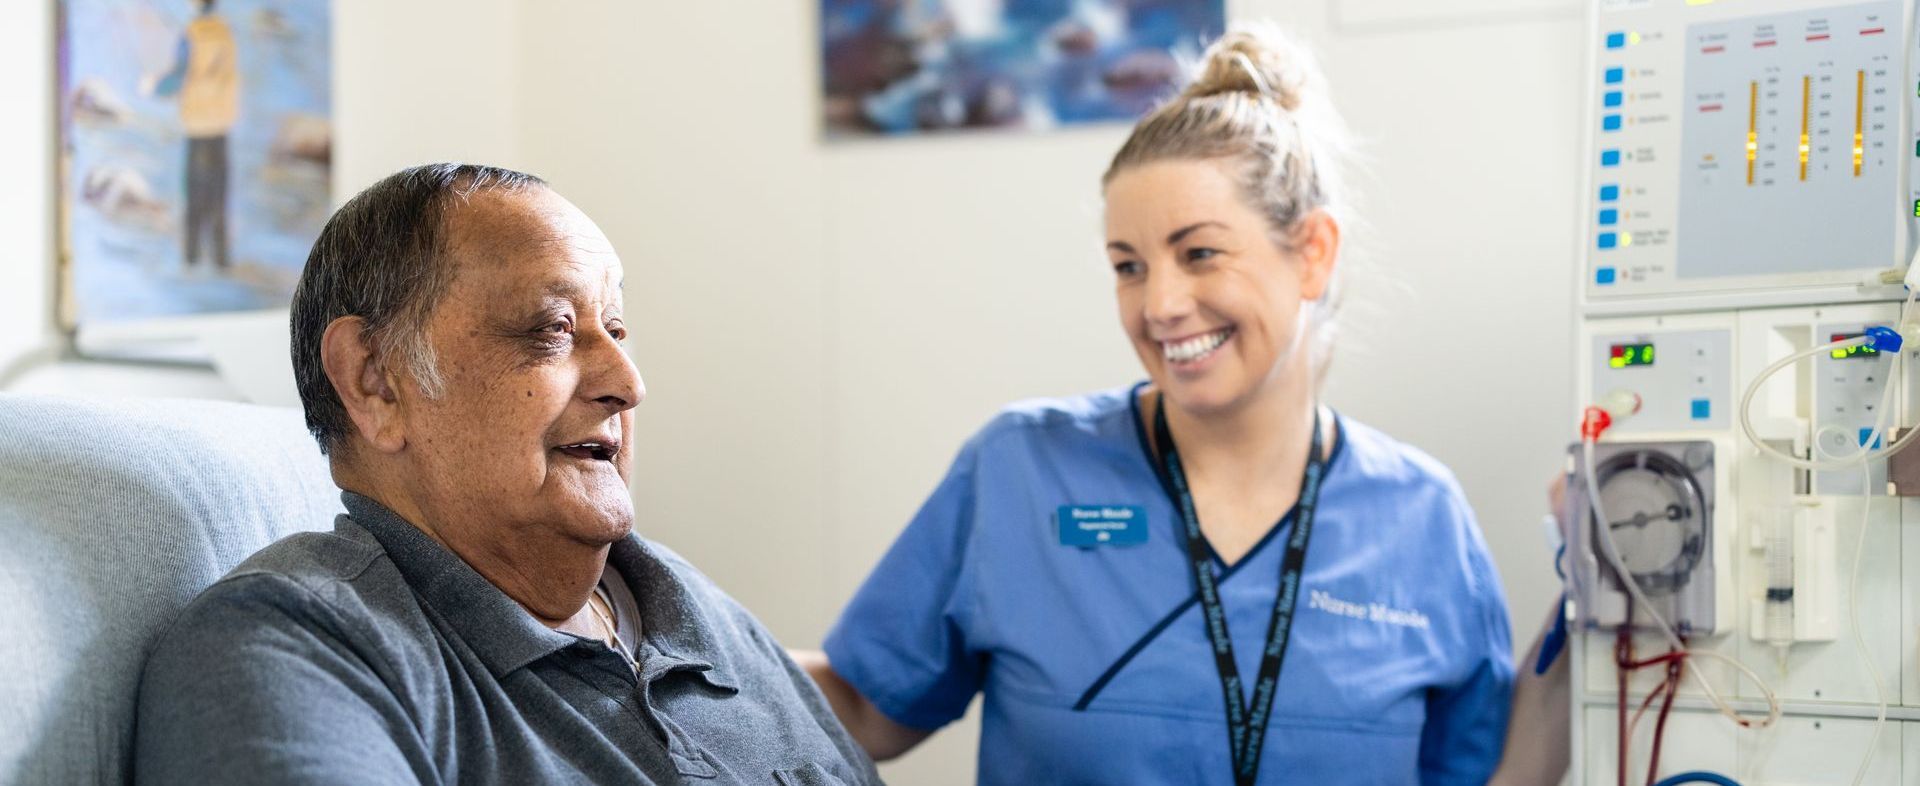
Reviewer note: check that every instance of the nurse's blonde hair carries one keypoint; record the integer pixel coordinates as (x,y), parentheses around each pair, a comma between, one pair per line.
(1257,100)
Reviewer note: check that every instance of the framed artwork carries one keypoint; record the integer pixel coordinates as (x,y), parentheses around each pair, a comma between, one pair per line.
(895,67)
(196,144)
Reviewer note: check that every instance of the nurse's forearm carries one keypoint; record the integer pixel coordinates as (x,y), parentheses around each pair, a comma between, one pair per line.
(882,738)
(1538,729)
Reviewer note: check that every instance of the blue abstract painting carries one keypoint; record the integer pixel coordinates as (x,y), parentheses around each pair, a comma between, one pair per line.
(916,66)
(196,150)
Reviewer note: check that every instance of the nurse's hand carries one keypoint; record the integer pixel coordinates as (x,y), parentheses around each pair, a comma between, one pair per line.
(882,738)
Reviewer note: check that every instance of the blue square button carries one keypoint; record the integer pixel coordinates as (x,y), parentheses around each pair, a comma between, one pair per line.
(1609,158)
(1702,409)
(1616,40)
(1609,193)
(1616,75)
(1864,434)
(1609,217)
(1609,240)
(1611,99)
(1610,123)
(1603,276)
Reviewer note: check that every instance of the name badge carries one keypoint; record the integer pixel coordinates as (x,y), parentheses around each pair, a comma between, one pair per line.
(1087,526)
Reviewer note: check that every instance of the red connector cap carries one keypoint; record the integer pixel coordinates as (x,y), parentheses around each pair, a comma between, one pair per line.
(1615,405)
(1594,422)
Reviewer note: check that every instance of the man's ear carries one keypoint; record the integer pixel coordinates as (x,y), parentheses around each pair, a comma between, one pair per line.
(1318,241)
(362,383)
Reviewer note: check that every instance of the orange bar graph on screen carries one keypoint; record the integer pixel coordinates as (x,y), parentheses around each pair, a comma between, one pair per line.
(1806,116)
(1859,119)
(1753,127)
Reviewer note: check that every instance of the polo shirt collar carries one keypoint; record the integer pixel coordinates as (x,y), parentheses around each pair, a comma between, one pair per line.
(674,623)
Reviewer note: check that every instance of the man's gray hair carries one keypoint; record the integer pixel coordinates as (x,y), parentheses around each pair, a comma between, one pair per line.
(383,257)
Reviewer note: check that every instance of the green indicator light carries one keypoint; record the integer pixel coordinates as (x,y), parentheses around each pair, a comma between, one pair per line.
(1628,355)
(1916,207)
(1858,351)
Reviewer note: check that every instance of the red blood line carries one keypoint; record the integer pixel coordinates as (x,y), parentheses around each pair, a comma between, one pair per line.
(1712,49)
(1758,44)
(1873,31)
(1709,107)
(1820,37)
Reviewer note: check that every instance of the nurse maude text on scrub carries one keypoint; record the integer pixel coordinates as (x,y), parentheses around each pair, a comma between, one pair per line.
(1376,612)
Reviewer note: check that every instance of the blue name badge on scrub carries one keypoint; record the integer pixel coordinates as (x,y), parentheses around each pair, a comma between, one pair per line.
(1087,526)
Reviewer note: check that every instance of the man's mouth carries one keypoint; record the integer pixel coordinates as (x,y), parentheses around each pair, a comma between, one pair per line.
(1194,349)
(591,451)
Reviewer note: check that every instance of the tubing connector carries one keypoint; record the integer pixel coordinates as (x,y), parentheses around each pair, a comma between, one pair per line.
(1618,404)
(1883,339)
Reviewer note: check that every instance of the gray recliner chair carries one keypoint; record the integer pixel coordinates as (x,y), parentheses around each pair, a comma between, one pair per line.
(114,514)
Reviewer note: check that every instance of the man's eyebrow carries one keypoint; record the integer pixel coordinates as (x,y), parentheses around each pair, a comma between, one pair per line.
(561,288)
(1120,247)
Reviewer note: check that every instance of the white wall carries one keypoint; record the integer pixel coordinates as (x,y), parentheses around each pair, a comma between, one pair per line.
(417,82)
(820,326)
(26,155)
(1473,132)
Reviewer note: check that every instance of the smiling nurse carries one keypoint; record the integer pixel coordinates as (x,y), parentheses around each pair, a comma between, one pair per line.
(1207,577)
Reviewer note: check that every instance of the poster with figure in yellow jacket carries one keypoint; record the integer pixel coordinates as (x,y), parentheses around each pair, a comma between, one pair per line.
(196,148)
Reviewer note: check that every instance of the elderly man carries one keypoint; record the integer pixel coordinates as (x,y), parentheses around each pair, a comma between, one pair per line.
(483,612)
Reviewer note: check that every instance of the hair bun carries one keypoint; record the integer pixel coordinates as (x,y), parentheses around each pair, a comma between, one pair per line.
(1259,60)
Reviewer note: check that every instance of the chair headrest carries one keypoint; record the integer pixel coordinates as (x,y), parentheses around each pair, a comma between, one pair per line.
(114,514)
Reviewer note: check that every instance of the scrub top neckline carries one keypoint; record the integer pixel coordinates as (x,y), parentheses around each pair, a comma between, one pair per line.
(1166,483)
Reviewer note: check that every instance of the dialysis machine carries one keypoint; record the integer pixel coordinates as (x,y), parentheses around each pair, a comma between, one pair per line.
(1745,350)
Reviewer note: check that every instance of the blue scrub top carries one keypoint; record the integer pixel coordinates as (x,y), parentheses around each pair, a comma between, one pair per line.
(1094,661)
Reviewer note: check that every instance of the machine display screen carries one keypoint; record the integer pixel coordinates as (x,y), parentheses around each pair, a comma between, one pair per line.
(1625,355)
(1862,351)
(1721,130)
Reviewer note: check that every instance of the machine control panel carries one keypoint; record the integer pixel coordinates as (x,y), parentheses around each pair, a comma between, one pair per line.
(1744,146)
(1847,388)
(1683,378)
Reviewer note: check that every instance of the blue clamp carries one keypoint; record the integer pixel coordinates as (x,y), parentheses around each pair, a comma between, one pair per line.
(1883,339)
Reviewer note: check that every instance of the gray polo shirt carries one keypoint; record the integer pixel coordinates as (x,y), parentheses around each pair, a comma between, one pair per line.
(373,655)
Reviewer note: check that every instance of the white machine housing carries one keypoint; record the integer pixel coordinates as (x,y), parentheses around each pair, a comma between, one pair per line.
(1747,193)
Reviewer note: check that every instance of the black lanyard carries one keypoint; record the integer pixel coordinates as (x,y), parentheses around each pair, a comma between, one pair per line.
(1246,721)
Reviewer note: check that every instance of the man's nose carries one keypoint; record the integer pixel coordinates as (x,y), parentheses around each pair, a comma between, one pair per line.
(610,377)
